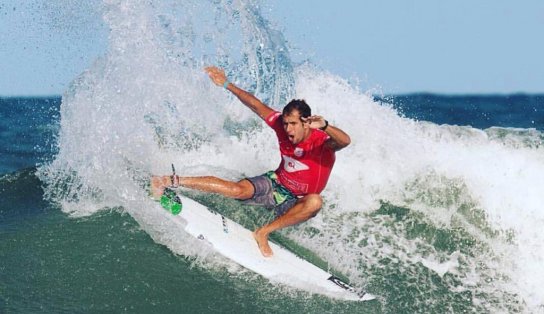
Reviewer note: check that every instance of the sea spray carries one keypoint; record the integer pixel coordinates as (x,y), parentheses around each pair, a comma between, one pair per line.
(456,182)
(425,215)
(148,103)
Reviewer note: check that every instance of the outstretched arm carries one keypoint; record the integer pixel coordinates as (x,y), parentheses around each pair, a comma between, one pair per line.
(218,76)
(338,139)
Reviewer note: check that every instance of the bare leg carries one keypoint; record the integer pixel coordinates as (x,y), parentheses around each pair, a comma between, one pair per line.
(303,210)
(239,190)
(158,184)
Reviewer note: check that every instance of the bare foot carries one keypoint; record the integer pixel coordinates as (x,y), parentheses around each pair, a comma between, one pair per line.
(157,187)
(262,242)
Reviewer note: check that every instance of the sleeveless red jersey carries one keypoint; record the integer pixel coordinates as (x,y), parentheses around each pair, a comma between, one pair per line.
(305,167)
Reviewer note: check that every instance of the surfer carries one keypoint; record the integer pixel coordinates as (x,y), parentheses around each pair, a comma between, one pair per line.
(307,146)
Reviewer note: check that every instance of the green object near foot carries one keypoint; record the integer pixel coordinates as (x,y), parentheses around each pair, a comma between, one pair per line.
(171,201)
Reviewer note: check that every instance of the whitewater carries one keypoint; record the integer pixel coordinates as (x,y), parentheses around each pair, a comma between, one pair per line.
(439,203)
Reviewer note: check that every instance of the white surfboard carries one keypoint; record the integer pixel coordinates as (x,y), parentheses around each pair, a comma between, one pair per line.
(235,242)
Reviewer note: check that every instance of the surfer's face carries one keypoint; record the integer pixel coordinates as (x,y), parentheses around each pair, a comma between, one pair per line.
(295,128)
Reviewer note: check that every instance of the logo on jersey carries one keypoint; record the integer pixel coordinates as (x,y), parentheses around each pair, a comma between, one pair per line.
(299,152)
(293,165)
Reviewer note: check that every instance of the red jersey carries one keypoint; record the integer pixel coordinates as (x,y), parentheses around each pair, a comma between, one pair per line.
(305,167)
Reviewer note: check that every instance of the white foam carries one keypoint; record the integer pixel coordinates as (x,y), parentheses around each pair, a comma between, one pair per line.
(147,103)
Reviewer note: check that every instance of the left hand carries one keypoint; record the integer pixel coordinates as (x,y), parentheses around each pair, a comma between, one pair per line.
(216,74)
(315,122)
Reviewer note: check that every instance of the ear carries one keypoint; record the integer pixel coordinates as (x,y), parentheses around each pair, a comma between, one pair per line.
(305,122)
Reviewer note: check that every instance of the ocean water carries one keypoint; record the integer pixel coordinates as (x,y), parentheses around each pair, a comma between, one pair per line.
(436,207)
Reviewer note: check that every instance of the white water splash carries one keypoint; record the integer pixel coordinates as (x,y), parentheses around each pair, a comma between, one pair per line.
(147,103)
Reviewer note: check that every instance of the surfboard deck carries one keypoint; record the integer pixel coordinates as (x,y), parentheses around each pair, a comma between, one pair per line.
(235,242)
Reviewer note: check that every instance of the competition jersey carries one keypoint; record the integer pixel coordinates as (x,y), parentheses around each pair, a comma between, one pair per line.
(305,167)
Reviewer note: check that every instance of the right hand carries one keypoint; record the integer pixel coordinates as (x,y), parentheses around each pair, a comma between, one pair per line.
(216,74)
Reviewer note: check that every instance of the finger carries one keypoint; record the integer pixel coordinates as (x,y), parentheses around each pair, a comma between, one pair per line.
(212,70)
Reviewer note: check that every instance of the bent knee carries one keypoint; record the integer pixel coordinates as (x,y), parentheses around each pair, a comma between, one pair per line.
(243,190)
(314,200)
(313,203)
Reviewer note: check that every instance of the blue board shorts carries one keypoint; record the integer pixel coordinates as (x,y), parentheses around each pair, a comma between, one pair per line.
(271,194)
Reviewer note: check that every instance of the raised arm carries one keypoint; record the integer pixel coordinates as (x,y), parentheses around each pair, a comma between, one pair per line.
(338,139)
(218,76)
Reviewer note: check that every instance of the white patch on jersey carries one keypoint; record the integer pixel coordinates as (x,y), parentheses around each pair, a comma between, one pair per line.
(273,116)
(299,152)
(293,165)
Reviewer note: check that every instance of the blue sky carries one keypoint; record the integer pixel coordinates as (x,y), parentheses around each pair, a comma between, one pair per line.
(398,46)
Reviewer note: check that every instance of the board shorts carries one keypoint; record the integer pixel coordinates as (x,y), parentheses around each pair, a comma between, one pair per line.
(271,194)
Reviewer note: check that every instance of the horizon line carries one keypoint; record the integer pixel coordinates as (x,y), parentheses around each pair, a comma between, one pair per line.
(381,95)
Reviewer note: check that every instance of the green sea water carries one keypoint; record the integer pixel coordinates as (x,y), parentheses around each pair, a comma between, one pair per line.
(106,263)
(435,207)
(52,263)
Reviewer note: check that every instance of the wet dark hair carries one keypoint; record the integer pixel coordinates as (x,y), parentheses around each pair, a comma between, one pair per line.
(299,105)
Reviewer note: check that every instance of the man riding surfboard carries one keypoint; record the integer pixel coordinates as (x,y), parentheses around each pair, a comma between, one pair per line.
(307,146)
